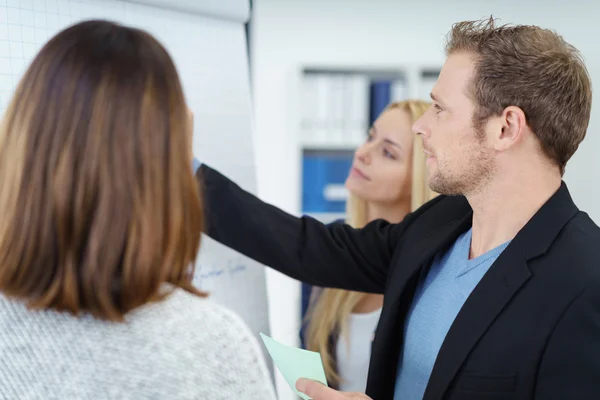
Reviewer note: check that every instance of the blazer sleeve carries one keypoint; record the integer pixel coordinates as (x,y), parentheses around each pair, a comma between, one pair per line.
(334,255)
(570,367)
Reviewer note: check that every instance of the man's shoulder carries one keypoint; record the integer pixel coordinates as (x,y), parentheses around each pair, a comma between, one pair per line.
(571,263)
(579,245)
(585,226)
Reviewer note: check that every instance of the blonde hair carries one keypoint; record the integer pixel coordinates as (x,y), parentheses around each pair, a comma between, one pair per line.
(329,310)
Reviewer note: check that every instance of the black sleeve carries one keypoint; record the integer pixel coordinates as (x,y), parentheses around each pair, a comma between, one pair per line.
(570,367)
(334,255)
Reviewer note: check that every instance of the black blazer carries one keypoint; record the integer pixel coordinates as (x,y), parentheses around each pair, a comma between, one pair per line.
(529,330)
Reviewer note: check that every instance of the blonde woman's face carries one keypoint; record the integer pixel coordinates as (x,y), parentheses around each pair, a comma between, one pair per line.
(382,167)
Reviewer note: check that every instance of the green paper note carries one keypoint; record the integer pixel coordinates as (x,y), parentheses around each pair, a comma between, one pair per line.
(294,363)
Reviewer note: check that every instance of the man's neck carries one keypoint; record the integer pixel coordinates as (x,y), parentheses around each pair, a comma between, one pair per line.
(503,208)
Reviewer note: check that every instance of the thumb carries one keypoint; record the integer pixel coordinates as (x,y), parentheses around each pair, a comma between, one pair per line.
(317,391)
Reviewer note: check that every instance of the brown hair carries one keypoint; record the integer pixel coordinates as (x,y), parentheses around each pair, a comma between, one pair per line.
(330,308)
(99,203)
(531,68)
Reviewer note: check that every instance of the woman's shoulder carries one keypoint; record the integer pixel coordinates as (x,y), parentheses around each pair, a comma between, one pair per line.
(229,346)
(204,323)
(188,309)
(184,337)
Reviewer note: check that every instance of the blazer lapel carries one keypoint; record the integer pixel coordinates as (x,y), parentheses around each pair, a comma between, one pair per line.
(488,299)
(402,282)
(496,289)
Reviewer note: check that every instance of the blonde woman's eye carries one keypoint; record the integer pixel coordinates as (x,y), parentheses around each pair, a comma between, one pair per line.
(388,154)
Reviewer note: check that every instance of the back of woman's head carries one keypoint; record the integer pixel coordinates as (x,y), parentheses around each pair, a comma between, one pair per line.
(99,203)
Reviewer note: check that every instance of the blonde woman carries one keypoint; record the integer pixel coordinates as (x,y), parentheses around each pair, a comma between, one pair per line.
(387,181)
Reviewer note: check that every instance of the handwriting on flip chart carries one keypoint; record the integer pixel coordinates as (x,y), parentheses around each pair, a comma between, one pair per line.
(227,269)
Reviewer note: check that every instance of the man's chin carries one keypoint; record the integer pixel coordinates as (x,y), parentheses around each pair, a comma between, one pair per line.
(442,186)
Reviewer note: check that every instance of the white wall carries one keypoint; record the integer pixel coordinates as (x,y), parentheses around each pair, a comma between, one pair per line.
(288,34)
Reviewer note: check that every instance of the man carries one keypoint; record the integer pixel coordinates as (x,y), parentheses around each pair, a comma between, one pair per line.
(492,290)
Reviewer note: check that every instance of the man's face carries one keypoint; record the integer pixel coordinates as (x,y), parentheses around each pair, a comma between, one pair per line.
(459,160)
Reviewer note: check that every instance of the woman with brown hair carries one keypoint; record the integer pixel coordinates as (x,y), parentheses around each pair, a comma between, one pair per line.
(101,224)
(388,179)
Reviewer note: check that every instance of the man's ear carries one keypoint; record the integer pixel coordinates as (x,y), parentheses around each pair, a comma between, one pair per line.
(511,128)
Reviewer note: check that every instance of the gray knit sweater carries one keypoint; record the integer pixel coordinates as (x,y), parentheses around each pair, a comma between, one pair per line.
(184,347)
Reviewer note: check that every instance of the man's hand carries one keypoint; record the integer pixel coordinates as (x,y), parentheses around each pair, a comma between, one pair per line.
(318,391)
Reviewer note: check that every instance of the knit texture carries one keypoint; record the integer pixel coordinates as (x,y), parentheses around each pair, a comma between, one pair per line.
(183,347)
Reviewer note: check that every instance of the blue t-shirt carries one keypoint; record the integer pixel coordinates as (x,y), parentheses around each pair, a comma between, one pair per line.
(438,299)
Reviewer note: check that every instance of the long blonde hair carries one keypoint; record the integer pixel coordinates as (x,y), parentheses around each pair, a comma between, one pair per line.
(329,310)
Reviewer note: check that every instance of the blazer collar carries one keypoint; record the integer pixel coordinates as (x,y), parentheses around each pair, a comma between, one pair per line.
(499,285)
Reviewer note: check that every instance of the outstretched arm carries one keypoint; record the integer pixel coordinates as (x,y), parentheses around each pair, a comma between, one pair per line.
(334,255)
